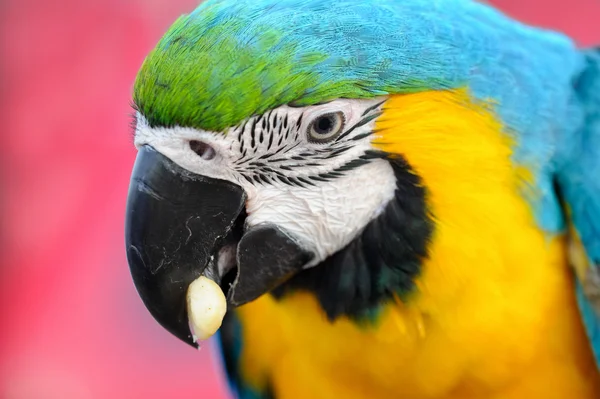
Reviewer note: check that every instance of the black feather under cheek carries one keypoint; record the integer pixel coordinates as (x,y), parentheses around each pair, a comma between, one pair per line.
(382,261)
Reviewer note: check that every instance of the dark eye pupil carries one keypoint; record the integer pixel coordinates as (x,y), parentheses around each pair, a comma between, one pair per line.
(324,125)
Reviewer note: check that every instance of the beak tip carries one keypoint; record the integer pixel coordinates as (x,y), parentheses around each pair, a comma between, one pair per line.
(192,342)
(165,207)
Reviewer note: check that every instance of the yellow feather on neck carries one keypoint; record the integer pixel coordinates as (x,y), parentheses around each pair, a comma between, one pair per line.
(493,315)
(456,148)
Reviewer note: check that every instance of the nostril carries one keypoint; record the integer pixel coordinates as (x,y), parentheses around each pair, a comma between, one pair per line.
(203,150)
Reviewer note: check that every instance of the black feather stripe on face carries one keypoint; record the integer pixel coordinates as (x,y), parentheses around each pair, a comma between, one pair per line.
(270,146)
(381,262)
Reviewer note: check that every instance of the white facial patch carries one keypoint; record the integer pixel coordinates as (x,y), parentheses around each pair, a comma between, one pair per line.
(323,193)
(329,216)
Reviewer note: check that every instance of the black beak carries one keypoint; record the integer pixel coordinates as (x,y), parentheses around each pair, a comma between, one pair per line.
(176,224)
(175,220)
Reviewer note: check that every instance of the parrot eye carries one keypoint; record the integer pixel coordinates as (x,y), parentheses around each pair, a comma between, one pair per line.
(326,127)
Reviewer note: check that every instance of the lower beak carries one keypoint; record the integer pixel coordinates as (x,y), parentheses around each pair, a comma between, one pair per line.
(177,225)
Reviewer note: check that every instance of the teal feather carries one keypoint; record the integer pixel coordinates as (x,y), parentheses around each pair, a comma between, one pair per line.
(578,178)
(230,343)
(591,320)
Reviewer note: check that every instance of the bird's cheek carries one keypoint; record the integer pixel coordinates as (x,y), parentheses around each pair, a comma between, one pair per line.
(290,211)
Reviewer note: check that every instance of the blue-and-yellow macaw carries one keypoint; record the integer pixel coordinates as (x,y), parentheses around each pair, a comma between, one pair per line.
(399,198)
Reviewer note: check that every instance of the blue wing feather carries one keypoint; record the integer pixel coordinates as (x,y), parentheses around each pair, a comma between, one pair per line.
(578,178)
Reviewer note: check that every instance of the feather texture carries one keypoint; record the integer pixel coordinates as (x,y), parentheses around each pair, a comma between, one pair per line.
(229,60)
(578,180)
(524,101)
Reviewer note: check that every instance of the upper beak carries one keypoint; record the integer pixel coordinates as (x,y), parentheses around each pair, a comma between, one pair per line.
(176,224)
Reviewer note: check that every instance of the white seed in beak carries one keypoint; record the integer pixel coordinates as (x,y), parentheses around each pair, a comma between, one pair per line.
(206,307)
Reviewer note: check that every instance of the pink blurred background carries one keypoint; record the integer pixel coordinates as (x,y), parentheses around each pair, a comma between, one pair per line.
(72,325)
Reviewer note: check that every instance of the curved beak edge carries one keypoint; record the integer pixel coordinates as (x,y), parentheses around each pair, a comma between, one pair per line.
(175,220)
(176,224)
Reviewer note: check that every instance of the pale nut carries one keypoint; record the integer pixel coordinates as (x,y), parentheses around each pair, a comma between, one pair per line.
(206,306)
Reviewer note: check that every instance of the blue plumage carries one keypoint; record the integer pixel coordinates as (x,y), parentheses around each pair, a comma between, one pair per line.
(578,176)
(390,46)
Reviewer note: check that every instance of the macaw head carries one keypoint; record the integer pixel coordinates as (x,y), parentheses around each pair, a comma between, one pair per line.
(307,145)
